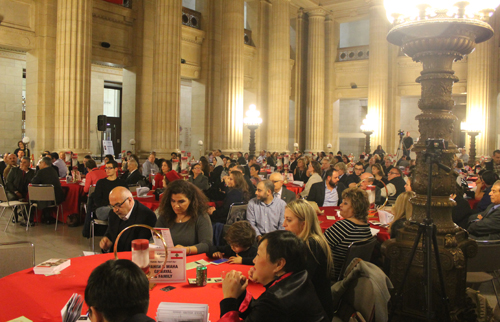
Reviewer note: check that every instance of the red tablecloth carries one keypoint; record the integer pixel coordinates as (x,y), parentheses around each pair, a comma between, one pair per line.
(325,223)
(153,204)
(294,188)
(40,298)
(72,203)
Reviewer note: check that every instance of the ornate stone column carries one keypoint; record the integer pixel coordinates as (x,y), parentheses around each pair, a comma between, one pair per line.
(316,81)
(279,76)
(300,81)
(378,76)
(481,93)
(166,76)
(72,81)
(228,137)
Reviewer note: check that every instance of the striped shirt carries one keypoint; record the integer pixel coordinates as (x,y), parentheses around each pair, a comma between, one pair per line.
(340,235)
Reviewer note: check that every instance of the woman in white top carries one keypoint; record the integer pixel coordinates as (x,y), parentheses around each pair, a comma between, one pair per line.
(315,170)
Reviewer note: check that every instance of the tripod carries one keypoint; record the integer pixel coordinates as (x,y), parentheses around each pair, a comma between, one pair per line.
(427,231)
(400,144)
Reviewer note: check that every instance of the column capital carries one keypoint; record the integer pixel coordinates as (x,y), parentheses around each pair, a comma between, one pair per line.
(317,12)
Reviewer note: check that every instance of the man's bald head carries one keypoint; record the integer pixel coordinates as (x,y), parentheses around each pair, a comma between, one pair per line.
(366,180)
(277,179)
(120,192)
(120,198)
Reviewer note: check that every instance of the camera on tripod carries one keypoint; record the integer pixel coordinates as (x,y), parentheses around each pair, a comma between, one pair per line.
(435,145)
(401,133)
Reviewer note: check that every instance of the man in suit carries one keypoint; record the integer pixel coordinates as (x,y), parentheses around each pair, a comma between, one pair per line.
(341,168)
(325,166)
(132,175)
(329,192)
(486,225)
(494,164)
(124,212)
(281,190)
(47,175)
(18,180)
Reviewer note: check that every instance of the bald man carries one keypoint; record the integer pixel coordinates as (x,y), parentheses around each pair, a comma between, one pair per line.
(124,212)
(367,179)
(285,194)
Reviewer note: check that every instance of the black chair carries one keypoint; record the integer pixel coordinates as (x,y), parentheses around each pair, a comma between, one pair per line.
(359,249)
(485,265)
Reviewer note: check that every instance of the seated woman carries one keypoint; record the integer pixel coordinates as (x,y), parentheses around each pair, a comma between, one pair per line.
(183,209)
(301,219)
(300,172)
(280,265)
(238,192)
(166,166)
(254,174)
(354,208)
(402,211)
(379,175)
(315,172)
(198,178)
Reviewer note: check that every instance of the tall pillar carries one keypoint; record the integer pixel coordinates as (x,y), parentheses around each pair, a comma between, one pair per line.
(229,136)
(279,76)
(300,79)
(72,81)
(378,76)
(481,93)
(330,56)
(316,81)
(167,76)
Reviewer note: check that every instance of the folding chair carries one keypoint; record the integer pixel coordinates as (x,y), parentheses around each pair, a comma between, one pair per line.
(5,203)
(237,212)
(484,266)
(359,249)
(16,257)
(133,187)
(94,221)
(43,192)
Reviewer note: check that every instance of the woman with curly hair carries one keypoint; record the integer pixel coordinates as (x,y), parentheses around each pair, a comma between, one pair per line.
(354,208)
(183,209)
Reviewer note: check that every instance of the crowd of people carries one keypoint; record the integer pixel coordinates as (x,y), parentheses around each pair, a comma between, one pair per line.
(280,237)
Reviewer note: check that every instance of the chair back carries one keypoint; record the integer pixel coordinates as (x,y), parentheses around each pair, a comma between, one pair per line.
(359,249)
(487,258)
(91,190)
(21,256)
(358,300)
(237,212)
(41,192)
(3,194)
(133,187)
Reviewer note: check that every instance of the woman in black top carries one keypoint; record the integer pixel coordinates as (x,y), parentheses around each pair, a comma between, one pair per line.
(300,172)
(379,175)
(22,147)
(301,219)
(238,192)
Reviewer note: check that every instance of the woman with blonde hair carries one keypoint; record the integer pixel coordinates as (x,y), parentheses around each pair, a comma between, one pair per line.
(301,219)
(402,211)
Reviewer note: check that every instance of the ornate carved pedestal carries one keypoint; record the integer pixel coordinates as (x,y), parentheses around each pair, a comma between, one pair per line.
(437,43)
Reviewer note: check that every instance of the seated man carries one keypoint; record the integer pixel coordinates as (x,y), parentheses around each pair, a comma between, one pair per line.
(19,179)
(266,212)
(149,165)
(47,175)
(60,164)
(94,174)
(285,194)
(254,174)
(11,163)
(488,178)
(100,197)
(20,155)
(354,179)
(396,185)
(329,192)
(486,225)
(132,175)
(341,168)
(118,290)
(367,179)
(126,212)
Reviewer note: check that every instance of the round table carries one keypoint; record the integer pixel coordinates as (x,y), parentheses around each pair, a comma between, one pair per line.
(296,189)
(73,196)
(41,298)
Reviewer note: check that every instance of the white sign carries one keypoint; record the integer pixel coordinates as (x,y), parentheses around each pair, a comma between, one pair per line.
(175,269)
(108,147)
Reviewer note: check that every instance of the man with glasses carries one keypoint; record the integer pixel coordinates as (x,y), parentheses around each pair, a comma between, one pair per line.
(285,194)
(486,225)
(354,178)
(124,211)
(100,197)
(396,185)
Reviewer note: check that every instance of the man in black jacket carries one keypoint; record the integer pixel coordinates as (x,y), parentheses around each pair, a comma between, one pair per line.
(329,192)
(285,194)
(126,212)
(494,164)
(132,175)
(396,185)
(47,175)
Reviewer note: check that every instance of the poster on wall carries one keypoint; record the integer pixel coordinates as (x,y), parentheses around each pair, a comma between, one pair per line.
(108,147)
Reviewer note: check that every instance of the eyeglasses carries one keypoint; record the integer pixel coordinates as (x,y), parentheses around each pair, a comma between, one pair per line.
(118,205)
(275,181)
(395,173)
(108,168)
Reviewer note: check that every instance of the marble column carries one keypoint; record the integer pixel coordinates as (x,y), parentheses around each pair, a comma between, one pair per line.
(316,81)
(378,76)
(300,79)
(481,93)
(166,76)
(72,80)
(279,76)
(229,137)
(330,57)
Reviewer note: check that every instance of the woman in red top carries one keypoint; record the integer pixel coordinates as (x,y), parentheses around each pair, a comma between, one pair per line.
(166,166)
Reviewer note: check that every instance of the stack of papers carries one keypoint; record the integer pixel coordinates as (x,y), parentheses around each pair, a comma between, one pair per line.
(298,183)
(174,312)
(72,310)
(51,266)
